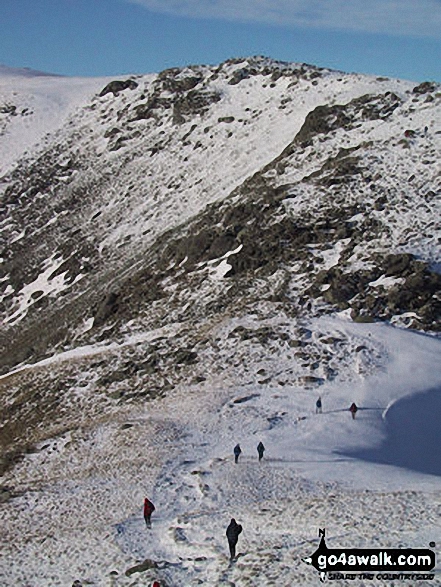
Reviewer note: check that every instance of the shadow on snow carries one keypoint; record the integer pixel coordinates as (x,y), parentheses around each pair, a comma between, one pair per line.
(413,426)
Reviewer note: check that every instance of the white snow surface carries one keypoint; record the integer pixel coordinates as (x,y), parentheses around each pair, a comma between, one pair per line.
(78,515)
(42,104)
(75,511)
(45,284)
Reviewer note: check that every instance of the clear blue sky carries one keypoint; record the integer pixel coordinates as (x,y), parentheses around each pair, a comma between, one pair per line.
(396,38)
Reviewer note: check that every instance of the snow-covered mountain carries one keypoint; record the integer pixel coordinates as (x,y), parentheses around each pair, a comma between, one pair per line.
(188,259)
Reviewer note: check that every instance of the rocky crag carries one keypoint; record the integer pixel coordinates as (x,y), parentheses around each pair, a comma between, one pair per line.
(174,221)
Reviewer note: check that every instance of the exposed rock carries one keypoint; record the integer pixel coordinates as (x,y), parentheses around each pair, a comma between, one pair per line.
(197,101)
(144,566)
(185,356)
(425,88)
(151,108)
(325,119)
(397,264)
(118,86)
(247,398)
(106,309)
(179,83)
(239,75)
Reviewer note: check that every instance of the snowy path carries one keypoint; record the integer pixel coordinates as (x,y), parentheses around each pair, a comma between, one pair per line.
(301,478)
(83,518)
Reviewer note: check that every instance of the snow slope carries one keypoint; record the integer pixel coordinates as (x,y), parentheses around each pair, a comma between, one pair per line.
(80,503)
(188,260)
(33,105)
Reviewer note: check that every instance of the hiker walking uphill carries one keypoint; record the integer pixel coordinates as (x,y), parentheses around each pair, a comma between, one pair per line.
(237,450)
(149,508)
(260,450)
(233,531)
(318,406)
(353,409)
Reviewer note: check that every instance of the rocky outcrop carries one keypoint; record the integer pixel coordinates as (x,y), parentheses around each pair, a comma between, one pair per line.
(326,119)
(118,86)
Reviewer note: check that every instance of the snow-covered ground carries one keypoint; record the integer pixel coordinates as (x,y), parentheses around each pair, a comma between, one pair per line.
(91,180)
(34,105)
(76,513)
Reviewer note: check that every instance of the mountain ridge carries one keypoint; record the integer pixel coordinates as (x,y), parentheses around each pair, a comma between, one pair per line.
(134,216)
(188,260)
(340,168)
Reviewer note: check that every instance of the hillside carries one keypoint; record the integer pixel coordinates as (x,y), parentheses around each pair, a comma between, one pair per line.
(188,259)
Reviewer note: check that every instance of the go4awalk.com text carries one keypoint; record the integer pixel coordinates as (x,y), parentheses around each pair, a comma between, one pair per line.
(387,564)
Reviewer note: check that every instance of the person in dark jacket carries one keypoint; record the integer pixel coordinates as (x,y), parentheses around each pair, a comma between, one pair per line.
(318,406)
(149,508)
(353,409)
(260,450)
(237,450)
(233,531)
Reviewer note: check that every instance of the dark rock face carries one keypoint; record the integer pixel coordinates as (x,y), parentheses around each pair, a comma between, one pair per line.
(185,356)
(425,88)
(397,264)
(108,307)
(148,110)
(417,291)
(275,243)
(118,86)
(176,80)
(325,119)
(239,75)
(197,101)
(187,105)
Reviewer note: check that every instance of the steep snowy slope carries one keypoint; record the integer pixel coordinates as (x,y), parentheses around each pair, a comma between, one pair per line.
(33,105)
(188,260)
(236,150)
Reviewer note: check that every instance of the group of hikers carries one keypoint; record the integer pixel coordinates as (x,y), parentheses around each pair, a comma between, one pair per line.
(318,408)
(237,451)
(234,529)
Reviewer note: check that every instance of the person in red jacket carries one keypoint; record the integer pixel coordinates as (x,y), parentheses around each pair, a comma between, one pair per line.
(149,508)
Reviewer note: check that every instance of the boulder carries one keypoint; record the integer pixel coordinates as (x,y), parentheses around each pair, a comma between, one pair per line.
(118,86)
(425,88)
(107,308)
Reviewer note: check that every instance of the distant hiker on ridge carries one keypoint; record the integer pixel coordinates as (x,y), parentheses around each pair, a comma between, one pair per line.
(149,508)
(233,531)
(318,406)
(237,451)
(353,409)
(260,450)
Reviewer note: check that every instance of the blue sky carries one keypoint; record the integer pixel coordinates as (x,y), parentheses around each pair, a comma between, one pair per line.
(396,38)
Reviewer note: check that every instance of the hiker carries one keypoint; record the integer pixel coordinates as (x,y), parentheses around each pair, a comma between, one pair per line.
(149,508)
(233,531)
(353,409)
(318,406)
(237,451)
(260,450)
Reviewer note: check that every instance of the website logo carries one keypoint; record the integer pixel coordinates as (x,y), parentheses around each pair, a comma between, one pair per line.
(389,563)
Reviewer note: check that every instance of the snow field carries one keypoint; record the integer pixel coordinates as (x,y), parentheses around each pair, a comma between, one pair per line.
(75,506)
(43,105)
(80,504)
